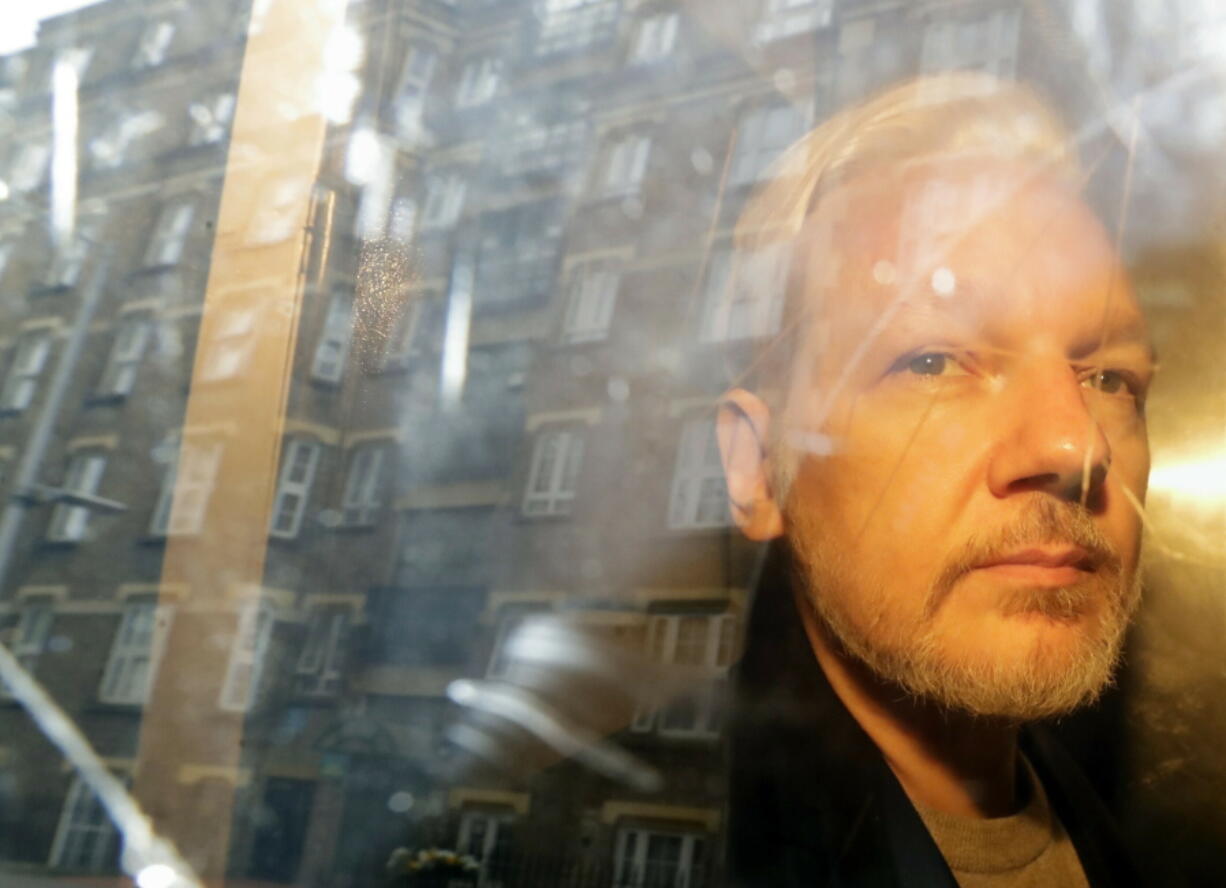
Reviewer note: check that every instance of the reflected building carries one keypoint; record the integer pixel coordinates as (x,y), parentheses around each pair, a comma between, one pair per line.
(500,595)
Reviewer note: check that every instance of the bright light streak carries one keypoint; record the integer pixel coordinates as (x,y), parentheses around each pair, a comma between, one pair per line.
(1199,480)
(156,875)
(63,150)
(364,156)
(455,339)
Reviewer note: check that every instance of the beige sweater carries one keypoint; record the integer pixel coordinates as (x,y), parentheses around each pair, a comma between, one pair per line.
(1029,849)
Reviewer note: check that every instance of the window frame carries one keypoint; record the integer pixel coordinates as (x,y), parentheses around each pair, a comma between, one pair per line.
(655,37)
(126,654)
(154,44)
(170,232)
(28,639)
(331,353)
(557,499)
(625,165)
(70,521)
(360,500)
(288,486)
(696,465)
(320,665)
(128,345)
(706,699)
(31,355)
(753,155)
(591,299)
(169,521)
(79,799)
(241,687)
(640,837)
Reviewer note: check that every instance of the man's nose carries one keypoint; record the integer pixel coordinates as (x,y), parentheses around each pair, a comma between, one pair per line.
(1050,442)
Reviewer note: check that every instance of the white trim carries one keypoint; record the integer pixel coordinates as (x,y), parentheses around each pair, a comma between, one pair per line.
(170,232)
(30,358)
(245,667)
(634,866)
(127,349)
(557,457)
(361,501)
(335,334)
(135,652)
(298,465)
(699,496)
(101,839)
(69,521)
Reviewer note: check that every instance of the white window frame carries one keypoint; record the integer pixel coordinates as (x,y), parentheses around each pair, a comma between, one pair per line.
(591,298)
(210,119)
(69,521)
(697,473)
(557,465)
(785,18)
(277,217)
(241,687)
(631,863)
(654,37)
(29,637)
(68,262)
(335,335)
(412,90)
(479,81)
(127,351)
(154,43)
(30,359)
(109,150)
(705,699)
(183,500)
(170,231)
(360,502)
(444,201)
(626,165)
(298,466)
(232,339)
(84,815)
(758,147)
(136,652)
(29,165)
(318,671)
(404,343)
(568,25)
(744,294)
(959,43)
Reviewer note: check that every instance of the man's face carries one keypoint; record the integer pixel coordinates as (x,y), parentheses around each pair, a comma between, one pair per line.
(973,451)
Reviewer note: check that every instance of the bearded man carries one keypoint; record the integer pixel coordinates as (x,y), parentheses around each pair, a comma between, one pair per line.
(947,449)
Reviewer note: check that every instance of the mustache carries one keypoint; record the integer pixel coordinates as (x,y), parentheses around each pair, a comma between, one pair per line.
(1042,522)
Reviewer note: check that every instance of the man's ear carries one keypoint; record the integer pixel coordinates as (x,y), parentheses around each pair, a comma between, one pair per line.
(741,427)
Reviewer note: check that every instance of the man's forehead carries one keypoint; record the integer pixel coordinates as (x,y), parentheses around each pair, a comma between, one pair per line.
(975,239)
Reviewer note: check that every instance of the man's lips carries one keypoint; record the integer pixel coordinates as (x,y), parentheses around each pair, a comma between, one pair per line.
(1041,566)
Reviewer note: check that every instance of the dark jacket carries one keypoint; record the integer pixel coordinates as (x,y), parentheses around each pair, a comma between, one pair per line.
(812,801)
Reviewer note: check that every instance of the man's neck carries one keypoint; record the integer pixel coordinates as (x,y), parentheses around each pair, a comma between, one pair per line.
(949,761)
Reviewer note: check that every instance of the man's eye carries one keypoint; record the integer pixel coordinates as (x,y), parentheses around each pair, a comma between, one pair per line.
(1110,382)
(929,364)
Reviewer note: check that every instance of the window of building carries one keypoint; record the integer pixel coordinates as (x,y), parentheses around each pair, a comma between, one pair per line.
(569,25)
(29,361)
(70,521)
(280,212)
(187,487)
(589,308)
(332,349)
(543,147)
(135,652)
(169,235)
(110,150)
(699,497)
(29,636)
(985,43)
(444,201)
(231,341)
(478,82)
(649,858)
(409,101)
(210,119)
(783,18)
(127,350)
(517,257)
(654,37)
(322,658)
(245,668)
(298,465)
(745,305)
(763,135)
(418,326)
(69,261)
(363,484)
(85,840)
(486,836)
(554,472)
(702,643)
(626,164)
(28,167)
(154,43)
